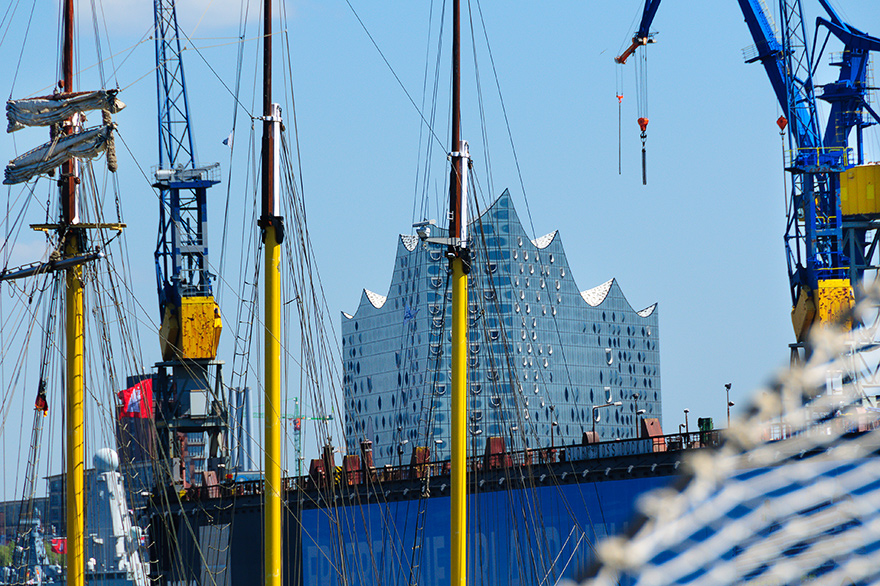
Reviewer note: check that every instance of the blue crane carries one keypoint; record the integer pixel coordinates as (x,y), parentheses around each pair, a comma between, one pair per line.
(182,271)
(191,410)
(831,215)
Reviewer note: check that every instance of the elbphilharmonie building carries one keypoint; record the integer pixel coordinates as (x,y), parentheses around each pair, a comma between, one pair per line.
(547,361)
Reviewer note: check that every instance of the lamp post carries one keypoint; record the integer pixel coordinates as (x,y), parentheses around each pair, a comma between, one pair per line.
(400,452)
(639,412)
(729,402)
(595,410)
(635,397)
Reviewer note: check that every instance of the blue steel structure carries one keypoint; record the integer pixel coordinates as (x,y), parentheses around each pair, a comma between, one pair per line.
(182,250)
(815,237)
(191,407)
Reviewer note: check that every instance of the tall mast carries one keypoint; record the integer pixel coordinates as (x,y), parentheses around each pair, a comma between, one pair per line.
(74,312)
(273,234)
(459,259)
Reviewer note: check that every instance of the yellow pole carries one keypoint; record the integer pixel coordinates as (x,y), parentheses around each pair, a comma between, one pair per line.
(459,423)
(272,490)
(75,465)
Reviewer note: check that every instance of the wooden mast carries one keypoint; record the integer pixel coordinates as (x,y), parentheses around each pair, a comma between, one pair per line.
(74,322)
(460,262)
(273,234)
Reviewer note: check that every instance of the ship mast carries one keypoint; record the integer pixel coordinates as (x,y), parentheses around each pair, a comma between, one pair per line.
(459,259)
(74,311)
(272,226)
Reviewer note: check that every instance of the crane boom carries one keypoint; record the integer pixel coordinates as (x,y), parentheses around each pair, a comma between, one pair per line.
(828,238)
(643,34)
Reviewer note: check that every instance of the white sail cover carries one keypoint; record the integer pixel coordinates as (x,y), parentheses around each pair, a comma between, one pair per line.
(84,145)
(50,110)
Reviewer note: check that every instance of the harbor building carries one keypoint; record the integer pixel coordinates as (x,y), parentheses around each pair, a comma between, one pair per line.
(547,362)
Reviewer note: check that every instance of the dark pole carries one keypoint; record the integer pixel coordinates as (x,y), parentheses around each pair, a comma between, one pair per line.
(268,142)
(727,389)
(455,179)
(67,180)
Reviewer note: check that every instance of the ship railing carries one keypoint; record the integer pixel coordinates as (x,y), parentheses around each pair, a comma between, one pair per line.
(476,464)
(524,459)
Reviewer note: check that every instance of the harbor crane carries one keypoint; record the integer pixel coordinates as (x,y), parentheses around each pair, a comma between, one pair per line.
(832,219)
(189,390)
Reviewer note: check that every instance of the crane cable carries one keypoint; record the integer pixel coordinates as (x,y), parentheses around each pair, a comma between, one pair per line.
(642,100)
(618,71)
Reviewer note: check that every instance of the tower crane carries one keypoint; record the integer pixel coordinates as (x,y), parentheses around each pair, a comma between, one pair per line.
(832,216)
(189,391)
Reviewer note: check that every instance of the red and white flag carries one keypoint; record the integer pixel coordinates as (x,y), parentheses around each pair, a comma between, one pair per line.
(59,545)
(138,400)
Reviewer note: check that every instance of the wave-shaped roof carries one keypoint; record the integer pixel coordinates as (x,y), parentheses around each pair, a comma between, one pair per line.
(647,311)
(597,295)
(502,212)
(409,241)
(545,240)
(376,299)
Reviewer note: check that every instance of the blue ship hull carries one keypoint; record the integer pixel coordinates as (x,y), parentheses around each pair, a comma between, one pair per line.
(523,529)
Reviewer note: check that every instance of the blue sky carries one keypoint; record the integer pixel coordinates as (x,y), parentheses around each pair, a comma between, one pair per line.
(703,238)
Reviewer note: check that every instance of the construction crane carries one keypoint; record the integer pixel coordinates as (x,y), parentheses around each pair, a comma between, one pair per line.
(189,391)
(298,419)
(833,216)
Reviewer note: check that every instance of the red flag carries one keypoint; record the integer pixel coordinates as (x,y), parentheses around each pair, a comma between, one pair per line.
(41,404)
(59,545)
(138,400)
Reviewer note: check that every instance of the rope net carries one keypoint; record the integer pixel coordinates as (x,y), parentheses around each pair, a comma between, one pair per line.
(791,496)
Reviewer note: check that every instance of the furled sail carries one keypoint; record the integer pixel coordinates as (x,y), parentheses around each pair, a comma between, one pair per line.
(84,145)
(49,110)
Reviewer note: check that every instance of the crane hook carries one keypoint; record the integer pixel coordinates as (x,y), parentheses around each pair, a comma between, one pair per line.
(643,124)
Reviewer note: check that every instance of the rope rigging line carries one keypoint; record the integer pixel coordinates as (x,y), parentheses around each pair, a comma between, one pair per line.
(506,118)
(422,213)
(6,21)
(231,140)
(394,73)
(21,53)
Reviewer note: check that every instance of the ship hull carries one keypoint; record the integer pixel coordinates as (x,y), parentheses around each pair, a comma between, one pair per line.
(523,528)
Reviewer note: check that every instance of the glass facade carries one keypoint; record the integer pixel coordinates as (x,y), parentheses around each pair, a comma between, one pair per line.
(542,355)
